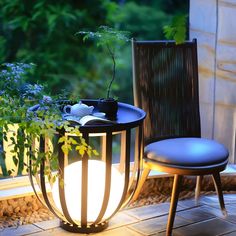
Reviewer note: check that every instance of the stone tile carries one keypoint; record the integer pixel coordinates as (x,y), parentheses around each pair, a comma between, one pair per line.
(21,230)
(231,218)
(229,234)
(150,211)
(152,220)
(195,214)
(207,11)
(151,226)
(230,169)
(49,224)
(225,26)
(225,61)
(206,85)
(213,199)
(206,109)
(210,227)
(214,210)
(225,132)
(224,113)
(121,219)
(231,208)
(56,232)
(224,89)
(233,166)
(230,197)
(189,203)
(123,231)
(163,233)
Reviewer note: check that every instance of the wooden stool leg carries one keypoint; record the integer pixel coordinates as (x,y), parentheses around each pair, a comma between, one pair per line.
(198,188)
(144,176)
(173,203)
(217,183)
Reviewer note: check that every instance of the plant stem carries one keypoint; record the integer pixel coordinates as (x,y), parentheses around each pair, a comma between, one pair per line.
(113,71)
(3,161)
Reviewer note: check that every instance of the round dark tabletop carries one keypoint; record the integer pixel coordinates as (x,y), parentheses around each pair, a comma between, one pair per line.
(128,116)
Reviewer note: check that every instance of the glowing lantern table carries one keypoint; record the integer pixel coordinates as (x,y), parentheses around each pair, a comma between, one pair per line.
(90,190)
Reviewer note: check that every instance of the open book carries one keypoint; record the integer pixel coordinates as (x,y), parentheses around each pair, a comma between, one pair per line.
(88,120)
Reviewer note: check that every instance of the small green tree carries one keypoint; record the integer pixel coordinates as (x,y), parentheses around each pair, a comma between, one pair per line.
(110,40)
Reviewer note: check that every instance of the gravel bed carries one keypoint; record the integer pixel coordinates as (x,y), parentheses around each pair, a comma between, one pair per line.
(21,211)
(28,210)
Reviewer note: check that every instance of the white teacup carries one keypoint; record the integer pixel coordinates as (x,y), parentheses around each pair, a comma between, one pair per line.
(79,109)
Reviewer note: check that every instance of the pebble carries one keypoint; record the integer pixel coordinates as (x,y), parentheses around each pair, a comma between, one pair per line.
(28,210)
(21,211)
(17,209)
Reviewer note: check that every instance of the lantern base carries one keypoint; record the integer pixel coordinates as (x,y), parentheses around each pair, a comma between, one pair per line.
(84,229)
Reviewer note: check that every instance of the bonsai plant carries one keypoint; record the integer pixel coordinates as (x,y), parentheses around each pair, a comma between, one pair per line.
(26,113)
(110,40)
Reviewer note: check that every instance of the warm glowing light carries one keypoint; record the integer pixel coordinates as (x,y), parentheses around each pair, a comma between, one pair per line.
(96,187)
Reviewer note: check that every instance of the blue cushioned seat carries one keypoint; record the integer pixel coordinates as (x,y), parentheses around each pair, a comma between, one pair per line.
(187,152)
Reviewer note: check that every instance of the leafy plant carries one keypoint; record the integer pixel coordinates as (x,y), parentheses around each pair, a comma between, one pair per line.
(177,29)
(28,123)
(110,40)
(12,78)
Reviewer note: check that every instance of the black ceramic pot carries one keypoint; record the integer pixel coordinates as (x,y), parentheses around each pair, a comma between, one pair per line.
(109,106)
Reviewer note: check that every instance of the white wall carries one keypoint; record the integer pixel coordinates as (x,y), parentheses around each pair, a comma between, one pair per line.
(213,23)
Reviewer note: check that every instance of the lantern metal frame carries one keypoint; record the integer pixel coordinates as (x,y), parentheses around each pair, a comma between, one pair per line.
(128,118)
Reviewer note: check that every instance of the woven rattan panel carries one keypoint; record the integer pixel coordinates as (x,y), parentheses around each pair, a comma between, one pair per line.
(166,87)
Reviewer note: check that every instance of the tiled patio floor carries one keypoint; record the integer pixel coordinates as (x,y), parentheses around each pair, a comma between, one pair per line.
(205,219)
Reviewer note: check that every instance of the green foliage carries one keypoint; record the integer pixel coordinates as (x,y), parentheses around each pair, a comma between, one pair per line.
(143,21)
(177,29)
(12,79)
(107,37)
(32,122)
(110,40)
(43,32)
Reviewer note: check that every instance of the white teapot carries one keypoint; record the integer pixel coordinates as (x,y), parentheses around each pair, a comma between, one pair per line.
(79,109)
